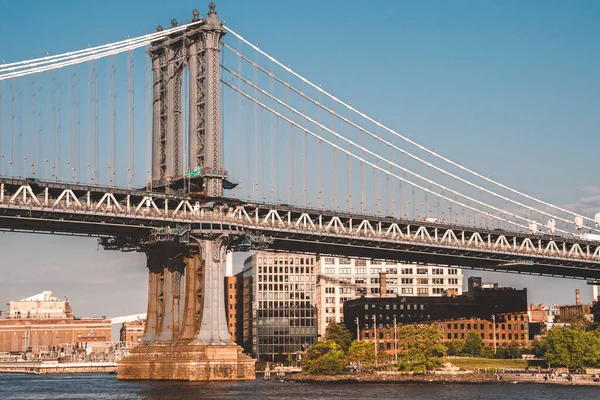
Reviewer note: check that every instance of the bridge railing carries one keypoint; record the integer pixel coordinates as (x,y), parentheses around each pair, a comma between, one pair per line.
(143,207)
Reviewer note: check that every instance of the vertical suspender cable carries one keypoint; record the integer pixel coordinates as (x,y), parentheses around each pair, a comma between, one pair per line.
(334,168)
(305,161)
(59,131)
(272,146)
(239,121)
(2,128)
(148,123)
(53,95)
(33,133)
(349,172)
(12,129)
(248,153)
(255,191)
(77,127)
(292,147)
(21,142)
(73,127)
(112,121)
(130,120)
(319,171)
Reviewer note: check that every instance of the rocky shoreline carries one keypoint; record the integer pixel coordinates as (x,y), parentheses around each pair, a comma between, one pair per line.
(467,378)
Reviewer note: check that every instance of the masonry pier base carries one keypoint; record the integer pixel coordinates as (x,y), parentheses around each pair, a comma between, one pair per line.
(186,335)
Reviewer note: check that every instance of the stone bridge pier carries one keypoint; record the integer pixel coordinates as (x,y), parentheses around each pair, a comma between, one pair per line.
(186,335)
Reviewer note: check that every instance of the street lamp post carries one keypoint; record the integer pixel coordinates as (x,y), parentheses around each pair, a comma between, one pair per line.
(494,330)
(357,330)
(395,341)
(375,335)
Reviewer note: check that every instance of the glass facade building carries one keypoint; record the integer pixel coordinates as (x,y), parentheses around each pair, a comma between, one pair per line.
(280,310)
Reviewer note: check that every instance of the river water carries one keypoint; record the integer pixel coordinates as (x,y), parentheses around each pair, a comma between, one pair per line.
(105,386)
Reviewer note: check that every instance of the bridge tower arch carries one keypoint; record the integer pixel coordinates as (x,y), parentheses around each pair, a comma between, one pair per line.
(187,337)
(196,48)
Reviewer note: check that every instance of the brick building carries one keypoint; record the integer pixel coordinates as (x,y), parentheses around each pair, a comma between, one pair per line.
(509,329)
(234,302)
(132,332)
(42,321)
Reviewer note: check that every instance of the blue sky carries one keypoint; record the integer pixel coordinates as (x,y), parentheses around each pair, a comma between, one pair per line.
(509,88)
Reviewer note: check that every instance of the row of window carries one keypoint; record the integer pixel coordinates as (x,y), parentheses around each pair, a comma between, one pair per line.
(285,278)
(389,271)
(298,287)
(286,270)
(285,261)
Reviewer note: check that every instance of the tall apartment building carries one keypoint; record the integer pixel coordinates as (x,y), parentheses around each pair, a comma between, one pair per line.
(279,304)
(343,279)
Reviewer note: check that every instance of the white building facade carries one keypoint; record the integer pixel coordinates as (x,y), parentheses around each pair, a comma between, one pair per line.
(343,279)
(42,305)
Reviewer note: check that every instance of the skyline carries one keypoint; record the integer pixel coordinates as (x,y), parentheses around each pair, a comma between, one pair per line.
(443,73)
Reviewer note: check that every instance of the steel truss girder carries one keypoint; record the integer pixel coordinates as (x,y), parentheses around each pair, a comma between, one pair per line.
(121,212)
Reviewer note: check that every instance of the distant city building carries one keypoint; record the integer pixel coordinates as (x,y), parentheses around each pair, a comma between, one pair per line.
(132,332)
(577,311)
(479,303)
(234,303)
(342,279)
(509,329)
(279,304)
(42,305)
(41,322)
(543,313)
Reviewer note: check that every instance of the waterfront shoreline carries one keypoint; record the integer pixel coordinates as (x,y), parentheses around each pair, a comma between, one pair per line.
(512,378)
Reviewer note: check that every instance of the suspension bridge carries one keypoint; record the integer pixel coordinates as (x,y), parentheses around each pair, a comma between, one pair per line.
(129,141)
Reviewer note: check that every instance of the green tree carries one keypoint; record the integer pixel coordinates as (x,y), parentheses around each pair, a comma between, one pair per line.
(325,358)
(289,359)
(339,334)
(454,348)
(421,345)
(473,344)
(362,353)
(571,347)
(513,350)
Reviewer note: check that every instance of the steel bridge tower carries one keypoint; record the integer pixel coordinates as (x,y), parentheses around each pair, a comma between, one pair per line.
(186,335)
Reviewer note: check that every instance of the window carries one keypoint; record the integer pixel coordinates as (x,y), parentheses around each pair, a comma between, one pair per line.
(392,271)
(345,290)
(453,281)
(360,280)
(452,271)
(361,270)
(407,290)
(360,263)
(437,290)
(422,291)
(329,300)
(422,281)
(437,271)
(329,290)
(374,280)
(329,261)
(421,271)
(406,271)
(407,281)
(375,270)
(437,281)
(330,271)
(345,270)
(344,261)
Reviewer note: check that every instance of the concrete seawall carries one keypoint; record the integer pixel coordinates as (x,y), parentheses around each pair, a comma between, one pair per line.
(56,368)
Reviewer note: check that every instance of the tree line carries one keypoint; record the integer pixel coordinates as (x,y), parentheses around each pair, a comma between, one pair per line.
(421,349)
